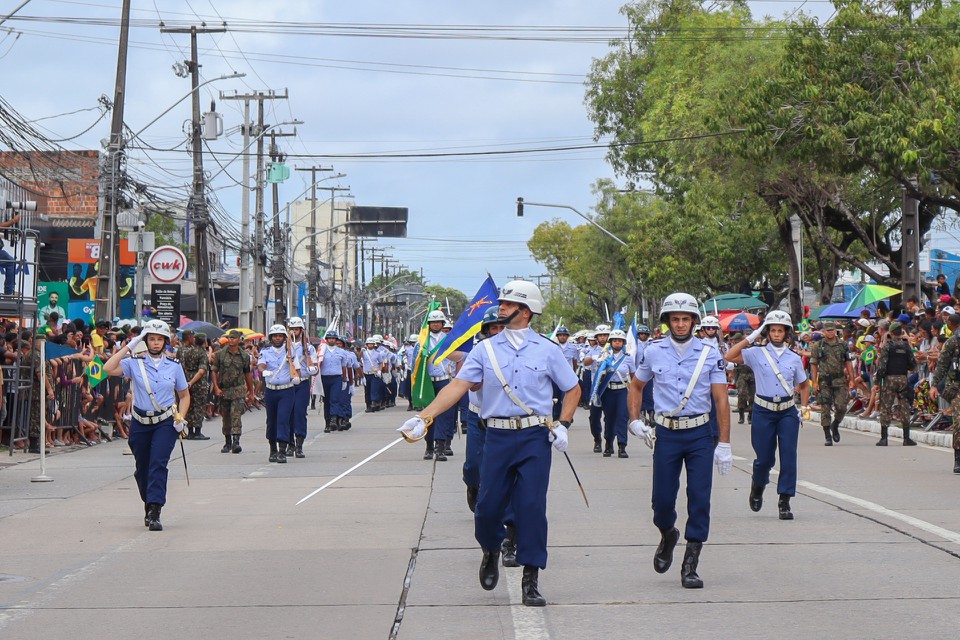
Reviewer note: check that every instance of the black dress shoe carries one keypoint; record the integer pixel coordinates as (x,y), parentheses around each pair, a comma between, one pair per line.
(441,456)
(608,449)
(756,497)
(490,570)
(784,507)
(596,446)
(530,588)
(688,571)
(447,450)
(664,555)
(622,451)
(428,454)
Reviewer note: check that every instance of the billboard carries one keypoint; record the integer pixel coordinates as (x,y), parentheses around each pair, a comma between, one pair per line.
(83,266)
(378,222)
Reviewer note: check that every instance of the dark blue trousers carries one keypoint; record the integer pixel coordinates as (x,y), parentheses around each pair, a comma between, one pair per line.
(331,396)
(444,425)
(474,453)
(692,448)
(586,383)
(558,401)
(596,419)
(770,431)
(279,404)
(301,400)
(390,390)
(615,415)
(515,472)
(152,445)
(404,389)
(463,408)
(373,392)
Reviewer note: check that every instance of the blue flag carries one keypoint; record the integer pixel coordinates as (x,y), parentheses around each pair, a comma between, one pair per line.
(467,326)
(54,351)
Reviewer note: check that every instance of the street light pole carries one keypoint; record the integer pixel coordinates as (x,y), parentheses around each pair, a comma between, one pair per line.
(521,202)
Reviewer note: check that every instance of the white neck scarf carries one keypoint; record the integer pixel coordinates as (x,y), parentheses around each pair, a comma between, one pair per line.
(516,337)
(681,347)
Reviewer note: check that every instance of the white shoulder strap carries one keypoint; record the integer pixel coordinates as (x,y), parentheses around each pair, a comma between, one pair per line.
(503,382)
(146,384)
(776,370)
(693,381)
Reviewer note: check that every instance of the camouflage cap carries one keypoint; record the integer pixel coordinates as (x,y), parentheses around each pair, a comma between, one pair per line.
(186,333)
(896,328)
(829,324)
(234,333)
(201,335)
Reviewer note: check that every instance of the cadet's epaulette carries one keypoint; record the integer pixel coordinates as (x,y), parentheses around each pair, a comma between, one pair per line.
(172,359)
(655,340)
(139,357)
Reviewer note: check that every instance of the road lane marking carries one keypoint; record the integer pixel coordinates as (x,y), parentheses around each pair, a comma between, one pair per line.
(528,622)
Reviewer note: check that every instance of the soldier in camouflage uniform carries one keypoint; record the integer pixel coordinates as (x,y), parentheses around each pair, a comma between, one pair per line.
(895,363)
(233,380)
(193,359)
(30,351)
(832,372)
(946,382)
(746,384)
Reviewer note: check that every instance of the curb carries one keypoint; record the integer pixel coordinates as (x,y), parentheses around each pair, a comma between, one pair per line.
(932,438)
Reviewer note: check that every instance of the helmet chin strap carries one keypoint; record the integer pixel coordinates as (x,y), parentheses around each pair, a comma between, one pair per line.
(153,352)
(681,339)
(509,318)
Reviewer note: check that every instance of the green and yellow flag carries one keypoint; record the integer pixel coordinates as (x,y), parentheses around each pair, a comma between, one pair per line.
(95,372)
(421,387)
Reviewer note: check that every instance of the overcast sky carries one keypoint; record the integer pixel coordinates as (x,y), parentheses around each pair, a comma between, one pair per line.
(367,92)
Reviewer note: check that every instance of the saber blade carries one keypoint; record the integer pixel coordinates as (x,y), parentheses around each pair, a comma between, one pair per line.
(350,470)
(184,453)
(577,478)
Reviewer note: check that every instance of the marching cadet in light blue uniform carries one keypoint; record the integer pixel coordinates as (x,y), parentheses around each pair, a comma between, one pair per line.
(688,374)
(444,425)
(304,356)
(571,353)
(586,378)
(592,360)
(646,406)
(393,363)
(277,365)
(408,355)
(516,457)
(371,360)
(476,428)
(384,389)
(156,423)
(614,397)
(351,364)
(776,422)
(332,374)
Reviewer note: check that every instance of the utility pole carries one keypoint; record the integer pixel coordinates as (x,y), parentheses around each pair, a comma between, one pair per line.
(197,211)
(278,266)
(313,279)
(910,245)
(252,312)
(333,287)
(106,302)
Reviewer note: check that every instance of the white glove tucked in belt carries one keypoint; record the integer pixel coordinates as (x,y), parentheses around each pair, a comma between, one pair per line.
(641,430)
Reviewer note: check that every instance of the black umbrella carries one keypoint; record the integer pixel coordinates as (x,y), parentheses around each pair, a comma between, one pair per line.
(213,331)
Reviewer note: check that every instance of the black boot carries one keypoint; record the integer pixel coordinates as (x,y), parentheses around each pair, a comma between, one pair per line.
(828,437)
(146,514)
(749,417)
(508,548)
(409,406)
(882,442)
(490,570)
(33,444)
(189,435)
(756,497)
(428,454)
(236,448)
(153,517)
(608,449)
(326,427)
(298,450)
(622,451)
(472,493)
(273,451)
(663,558)
(345,423)
(835,431)
(740,421)
(907,442)
(226,445)
(596,445)
(531,592)
(369,408)
(290,450)
(438,446)
(281,455)
(688,571)
(784,506)
(956,460)
(447,449)
(199,436)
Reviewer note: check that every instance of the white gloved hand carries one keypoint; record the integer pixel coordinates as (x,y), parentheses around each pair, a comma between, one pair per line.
(267,374)
(754,335)
(180,425)
(295,380)
(723,457)
(641,430)
(414,428)
(134,341)
(343,386)
(558,436)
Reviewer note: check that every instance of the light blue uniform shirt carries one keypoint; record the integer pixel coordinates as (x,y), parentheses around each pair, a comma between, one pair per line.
(626,367)
(571,352)
(662,363)
(434,370)
(409,351)
(768,385)
(371,360)
(298,352)
(638,354)
(529,371)
(165,378)
(333,362)
(276,361)
(353,362)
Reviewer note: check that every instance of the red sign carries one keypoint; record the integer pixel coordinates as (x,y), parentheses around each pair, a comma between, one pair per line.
(81,251)
(167,264)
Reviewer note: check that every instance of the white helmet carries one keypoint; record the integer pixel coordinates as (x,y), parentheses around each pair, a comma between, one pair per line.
(617,334)
(295,322)
(376,338)
(413,338)
(778,317)
(158,327)
(602,328)
(447,324)
(591,335)
(679,302)
(370,340)
(523,292)
(709,322)
(391,343)
(277,328)
(436,316)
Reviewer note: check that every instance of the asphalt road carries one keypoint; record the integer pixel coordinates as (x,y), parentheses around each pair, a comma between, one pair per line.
(874,551)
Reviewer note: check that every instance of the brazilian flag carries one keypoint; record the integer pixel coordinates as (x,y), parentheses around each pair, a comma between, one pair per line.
(421,387)
(95,372)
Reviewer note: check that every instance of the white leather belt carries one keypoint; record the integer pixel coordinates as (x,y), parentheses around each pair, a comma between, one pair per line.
(617,385)
(439,378)
(523,422)
(675,424)
(152,417)
(278,387)
(474,408)
(774,406)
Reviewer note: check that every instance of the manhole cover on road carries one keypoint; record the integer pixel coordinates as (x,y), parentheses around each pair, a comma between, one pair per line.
(6,577)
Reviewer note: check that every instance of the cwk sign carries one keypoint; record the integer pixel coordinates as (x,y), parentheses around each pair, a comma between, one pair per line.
(167,264)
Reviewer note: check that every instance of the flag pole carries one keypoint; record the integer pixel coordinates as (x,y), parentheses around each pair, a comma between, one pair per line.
(43,477)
